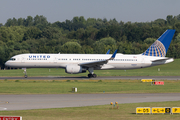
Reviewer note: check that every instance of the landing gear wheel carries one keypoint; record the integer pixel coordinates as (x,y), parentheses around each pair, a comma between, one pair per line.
(89,75)
(25,76)
(94,75)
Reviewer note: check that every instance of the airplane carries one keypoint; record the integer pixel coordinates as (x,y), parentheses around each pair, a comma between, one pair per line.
(80,63)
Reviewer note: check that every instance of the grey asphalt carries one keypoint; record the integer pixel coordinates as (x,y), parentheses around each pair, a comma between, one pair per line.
(98,78)
(25,102)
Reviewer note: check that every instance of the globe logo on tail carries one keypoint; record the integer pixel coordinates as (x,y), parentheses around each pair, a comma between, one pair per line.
(157,49)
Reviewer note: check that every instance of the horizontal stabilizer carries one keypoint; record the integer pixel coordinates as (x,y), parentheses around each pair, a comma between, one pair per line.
(159,60)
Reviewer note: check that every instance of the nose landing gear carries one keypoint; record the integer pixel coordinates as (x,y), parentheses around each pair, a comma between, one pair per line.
(25,76)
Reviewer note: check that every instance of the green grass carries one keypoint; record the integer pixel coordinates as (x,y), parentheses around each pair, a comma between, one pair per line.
(85,86)
(171,69)
(102,112)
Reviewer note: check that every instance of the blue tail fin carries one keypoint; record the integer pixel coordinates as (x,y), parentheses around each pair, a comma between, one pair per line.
(108,51)
(160,46)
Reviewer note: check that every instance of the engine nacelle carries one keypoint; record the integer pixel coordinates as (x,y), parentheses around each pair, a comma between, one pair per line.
(74,69)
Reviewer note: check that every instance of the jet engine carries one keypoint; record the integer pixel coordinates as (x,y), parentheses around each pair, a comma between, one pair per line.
(74,69)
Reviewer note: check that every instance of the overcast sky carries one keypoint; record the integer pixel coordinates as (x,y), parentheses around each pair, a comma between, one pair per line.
(60,10)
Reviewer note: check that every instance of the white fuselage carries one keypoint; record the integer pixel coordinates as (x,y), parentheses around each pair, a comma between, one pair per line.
(62,60)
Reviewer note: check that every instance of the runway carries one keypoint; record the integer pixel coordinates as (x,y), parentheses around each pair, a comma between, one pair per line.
(98,78)
(25,102)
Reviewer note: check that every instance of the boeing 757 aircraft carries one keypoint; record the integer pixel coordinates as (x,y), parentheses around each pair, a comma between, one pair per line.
(80,63)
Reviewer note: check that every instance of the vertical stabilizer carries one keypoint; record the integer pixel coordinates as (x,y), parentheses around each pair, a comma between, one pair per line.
(160,46)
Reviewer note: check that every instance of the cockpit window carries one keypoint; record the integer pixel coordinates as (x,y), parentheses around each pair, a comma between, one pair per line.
(13,59)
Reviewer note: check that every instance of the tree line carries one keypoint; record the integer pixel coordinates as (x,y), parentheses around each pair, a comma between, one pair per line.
(80,35)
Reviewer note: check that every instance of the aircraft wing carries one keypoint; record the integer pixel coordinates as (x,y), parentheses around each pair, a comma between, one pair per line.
(98,63)
(94,64)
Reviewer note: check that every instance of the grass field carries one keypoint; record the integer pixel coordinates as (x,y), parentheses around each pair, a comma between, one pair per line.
(85,86)
(171,69)
(102,112)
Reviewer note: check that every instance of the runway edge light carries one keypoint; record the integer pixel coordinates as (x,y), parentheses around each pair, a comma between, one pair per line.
(116,103)
(111,103)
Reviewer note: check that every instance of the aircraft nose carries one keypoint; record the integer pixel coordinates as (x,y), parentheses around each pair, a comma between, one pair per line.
(7,63)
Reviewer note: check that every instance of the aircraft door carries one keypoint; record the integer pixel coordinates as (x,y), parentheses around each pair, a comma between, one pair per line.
(23,60)
(55,60)
(142,62)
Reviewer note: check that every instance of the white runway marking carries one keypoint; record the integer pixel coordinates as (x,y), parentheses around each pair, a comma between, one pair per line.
(2,108)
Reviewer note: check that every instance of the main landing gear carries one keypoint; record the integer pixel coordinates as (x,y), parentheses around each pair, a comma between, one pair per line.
(25,76)
(91,73)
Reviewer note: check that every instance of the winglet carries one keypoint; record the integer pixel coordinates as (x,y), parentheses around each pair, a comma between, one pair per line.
(113,56)
(108,51)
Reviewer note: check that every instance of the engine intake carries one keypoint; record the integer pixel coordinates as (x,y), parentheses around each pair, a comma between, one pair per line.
(74,69)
